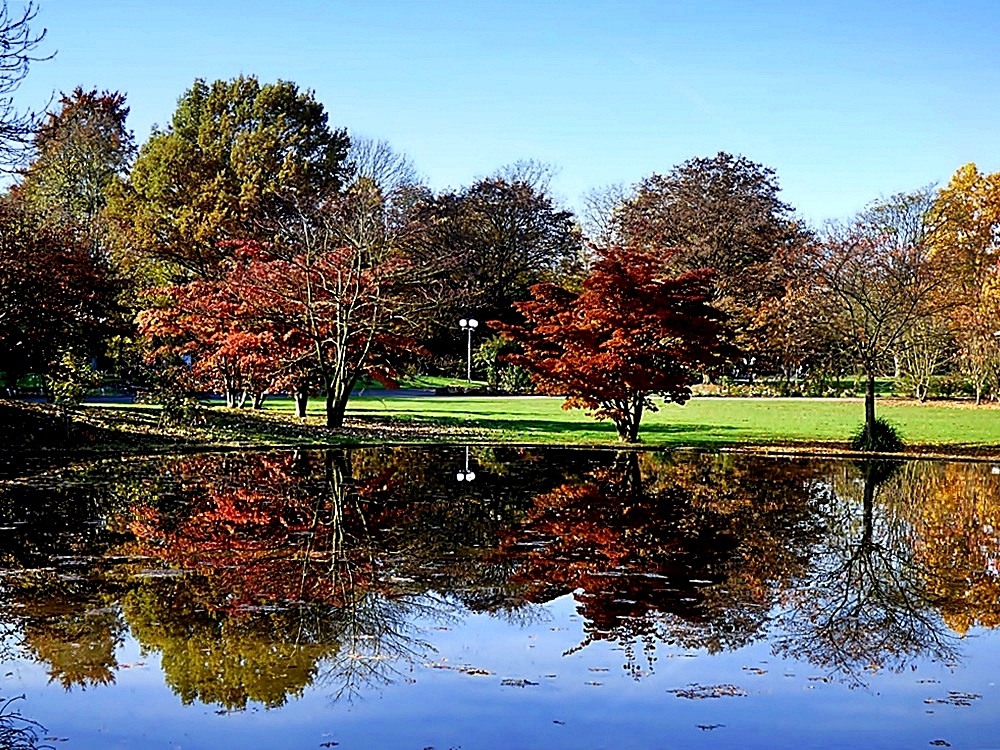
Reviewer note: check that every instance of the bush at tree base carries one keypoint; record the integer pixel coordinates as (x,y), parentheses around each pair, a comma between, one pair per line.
(882,438)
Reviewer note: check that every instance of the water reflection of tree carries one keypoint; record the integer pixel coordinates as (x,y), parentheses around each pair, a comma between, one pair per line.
(18,732)
(953,510)
(691,550)
(52,606)
(864,604)
(255,576)
(284,581)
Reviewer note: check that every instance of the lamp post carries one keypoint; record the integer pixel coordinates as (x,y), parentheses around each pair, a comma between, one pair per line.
(468,326)
(466,476)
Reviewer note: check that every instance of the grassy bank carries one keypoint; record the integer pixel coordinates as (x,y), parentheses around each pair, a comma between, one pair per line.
(701,423)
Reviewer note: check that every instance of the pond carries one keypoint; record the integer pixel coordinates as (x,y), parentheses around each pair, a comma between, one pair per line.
(500,598)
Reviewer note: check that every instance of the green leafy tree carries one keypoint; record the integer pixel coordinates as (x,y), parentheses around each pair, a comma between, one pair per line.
(81,152)
(237,155)
(495,238)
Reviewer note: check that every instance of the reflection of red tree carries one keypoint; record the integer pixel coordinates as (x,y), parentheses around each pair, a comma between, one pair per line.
(708,544)
(275,529)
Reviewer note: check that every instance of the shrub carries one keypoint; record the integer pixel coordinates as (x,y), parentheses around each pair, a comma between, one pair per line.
(883,438)
(516,379)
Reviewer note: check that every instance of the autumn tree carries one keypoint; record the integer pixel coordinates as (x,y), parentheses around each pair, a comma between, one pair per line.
(631,333)
(55,298)
(332,298)
(723,213)
(215,326)
(81,151)
(966,244)
(18,49)
(236,155)
(873,280)
(688,550)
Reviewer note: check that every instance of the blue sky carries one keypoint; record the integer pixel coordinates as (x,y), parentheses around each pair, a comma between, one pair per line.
(846,100)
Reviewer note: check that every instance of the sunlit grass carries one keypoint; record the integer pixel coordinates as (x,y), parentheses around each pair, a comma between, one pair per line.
(700,422)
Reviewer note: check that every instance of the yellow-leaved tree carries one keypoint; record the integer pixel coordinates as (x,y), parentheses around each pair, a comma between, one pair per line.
(966,242)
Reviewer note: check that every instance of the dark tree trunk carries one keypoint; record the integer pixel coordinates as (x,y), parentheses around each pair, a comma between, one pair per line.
(335,409)
(336,401)
(258,400)
(301,397)
(870,401)
(628,424)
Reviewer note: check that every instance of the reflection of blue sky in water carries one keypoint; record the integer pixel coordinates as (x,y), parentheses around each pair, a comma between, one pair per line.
(584,699)
(520,679)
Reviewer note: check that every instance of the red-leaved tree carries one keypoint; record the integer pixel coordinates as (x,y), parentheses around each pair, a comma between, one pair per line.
(631,334)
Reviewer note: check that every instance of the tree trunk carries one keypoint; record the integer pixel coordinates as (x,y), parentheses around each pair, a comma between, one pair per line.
(335,409)
(636,419)
(337,395)
(870,401)
(258,400)
(301,396)
(628,424)
(241,400)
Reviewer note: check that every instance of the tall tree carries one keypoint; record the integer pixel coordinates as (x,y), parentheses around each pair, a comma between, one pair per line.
(236,155)
(81,151)
(874,280)
(966,244)
(18,45)
(54,296)
(497,237)
(723,213)
(630,334)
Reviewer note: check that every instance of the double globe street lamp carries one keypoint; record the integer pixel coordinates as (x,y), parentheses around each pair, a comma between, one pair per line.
(468,326)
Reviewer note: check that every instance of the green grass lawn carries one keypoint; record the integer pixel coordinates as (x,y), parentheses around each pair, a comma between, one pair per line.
(700,422)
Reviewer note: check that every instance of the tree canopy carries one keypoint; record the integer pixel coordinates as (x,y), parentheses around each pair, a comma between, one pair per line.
(236,155)
(630,334)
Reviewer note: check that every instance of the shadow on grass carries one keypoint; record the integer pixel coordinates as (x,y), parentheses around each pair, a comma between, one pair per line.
(680,434)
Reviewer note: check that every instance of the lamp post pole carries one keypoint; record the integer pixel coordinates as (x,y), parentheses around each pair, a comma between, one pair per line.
(466,476)
(468,326)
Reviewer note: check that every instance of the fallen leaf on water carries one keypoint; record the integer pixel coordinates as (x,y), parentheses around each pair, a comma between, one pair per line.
(517,683)
(699,692)
(473,670)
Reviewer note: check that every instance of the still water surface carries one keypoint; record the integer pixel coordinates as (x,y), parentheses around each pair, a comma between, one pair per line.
(372,598)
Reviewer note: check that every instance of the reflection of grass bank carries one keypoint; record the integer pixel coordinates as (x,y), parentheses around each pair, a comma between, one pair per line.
(707,422)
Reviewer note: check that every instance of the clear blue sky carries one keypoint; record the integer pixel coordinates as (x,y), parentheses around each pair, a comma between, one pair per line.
(846,100)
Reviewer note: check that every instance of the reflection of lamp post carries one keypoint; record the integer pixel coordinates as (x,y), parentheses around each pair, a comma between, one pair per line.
(466,476)
(468,326)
